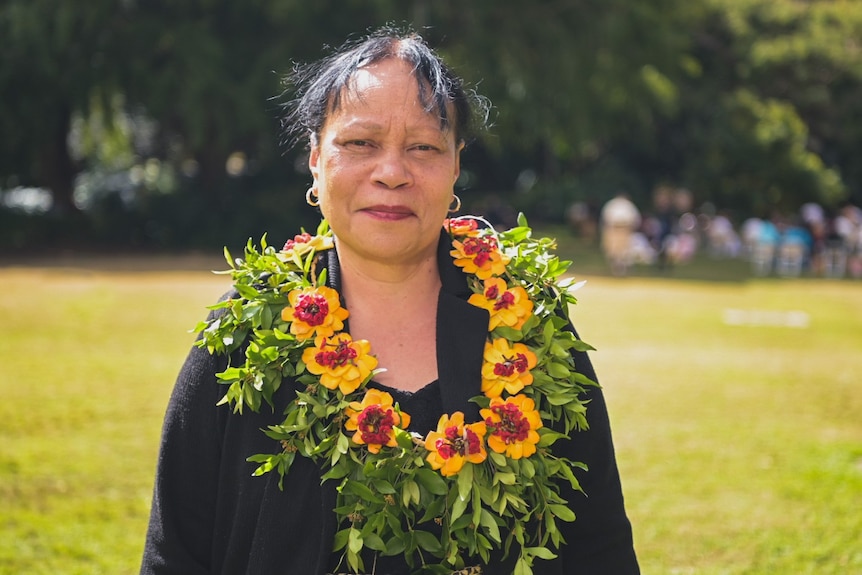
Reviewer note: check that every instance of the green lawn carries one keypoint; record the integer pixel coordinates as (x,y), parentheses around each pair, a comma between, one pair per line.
(739,438)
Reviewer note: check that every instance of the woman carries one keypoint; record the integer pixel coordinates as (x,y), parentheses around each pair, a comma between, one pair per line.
(386,123)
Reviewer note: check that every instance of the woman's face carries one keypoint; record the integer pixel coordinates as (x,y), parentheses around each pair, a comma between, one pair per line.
(384,169)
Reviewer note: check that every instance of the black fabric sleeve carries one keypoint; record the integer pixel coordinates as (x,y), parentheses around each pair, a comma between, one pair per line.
(180,533)
(599,541)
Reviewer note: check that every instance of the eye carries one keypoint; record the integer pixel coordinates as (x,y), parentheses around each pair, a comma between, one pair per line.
(425,148)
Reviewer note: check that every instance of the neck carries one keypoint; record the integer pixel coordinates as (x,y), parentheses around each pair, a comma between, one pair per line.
(395,308)
(385,283)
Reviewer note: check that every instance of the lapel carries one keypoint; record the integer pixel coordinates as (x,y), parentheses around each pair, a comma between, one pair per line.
(462,330)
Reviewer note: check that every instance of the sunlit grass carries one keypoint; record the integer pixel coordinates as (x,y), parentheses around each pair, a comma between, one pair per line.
(89,361)
(740,445)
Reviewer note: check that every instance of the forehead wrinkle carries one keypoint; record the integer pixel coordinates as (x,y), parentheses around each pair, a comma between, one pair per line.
(355,93)
(351,89)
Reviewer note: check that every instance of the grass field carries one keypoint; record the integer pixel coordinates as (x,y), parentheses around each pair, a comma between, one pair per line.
(736,407)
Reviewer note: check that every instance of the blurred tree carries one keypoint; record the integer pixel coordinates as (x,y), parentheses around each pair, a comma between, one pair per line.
(755,159)
(753,103)
(569,79)
(748,135)
(209,73)
(56,60)
(811,57)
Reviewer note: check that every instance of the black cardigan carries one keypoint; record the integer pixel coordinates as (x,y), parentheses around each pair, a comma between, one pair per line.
(210,516)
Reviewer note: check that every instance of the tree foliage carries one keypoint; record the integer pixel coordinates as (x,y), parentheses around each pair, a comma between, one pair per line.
(752,104)
(750,119)
(57,56)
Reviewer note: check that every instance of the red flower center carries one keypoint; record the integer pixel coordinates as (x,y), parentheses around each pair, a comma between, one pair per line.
(312,308)
(341,354)
(457,443)
(504,301)
(480,249)
(512,427)
(507,368)
(375,425)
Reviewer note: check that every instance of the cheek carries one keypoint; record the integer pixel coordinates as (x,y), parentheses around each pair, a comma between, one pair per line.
(327,176)
(333,188)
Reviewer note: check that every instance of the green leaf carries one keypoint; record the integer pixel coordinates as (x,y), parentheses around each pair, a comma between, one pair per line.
(228,257)
(476,502)
(395,546)
(340,540)
(558,370)
(246,292)
(507,478)
(502,502)
(360,490)
(562,512)
(373,541)
(458,508)
(548,437)
(522,567)
(432,481)
(410,493)
(354,540)
(559,398)
(336,472)
(487,521)
(427,541)
(583,346)
(465,481)
(497,459)
(504,332)
(343,443)
(528,470)
(540,552)
(462,522)
(382,486)
(403,438)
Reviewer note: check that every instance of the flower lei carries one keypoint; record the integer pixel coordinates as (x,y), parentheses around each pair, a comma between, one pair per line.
(486,484)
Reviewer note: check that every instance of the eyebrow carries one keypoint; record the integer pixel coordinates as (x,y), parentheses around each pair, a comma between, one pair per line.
(376,127)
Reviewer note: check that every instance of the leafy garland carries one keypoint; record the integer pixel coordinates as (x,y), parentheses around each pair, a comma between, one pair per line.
(487,484)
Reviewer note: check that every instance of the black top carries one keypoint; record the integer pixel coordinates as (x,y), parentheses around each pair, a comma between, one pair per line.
(210,516)
(424,406)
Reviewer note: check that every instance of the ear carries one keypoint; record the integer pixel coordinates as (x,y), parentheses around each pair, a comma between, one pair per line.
(314,161)
(458,161)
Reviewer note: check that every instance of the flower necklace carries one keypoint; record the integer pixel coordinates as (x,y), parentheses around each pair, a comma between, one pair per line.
(486,485)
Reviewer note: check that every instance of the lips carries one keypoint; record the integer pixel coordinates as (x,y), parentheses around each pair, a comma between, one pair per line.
(388,212)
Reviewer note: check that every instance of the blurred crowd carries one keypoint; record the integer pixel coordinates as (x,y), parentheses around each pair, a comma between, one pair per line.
(812,242)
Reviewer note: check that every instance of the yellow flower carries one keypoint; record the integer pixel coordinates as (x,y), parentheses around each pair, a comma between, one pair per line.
(506,367)
(480,256)
(512,426)
(374,420)
(510,307)
(455,443)
(340,362)
(314,311)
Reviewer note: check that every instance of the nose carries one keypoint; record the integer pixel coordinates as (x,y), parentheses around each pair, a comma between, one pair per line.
(392,169)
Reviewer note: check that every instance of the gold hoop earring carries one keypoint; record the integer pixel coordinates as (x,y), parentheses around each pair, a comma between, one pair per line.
(311,197)
(457,206)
